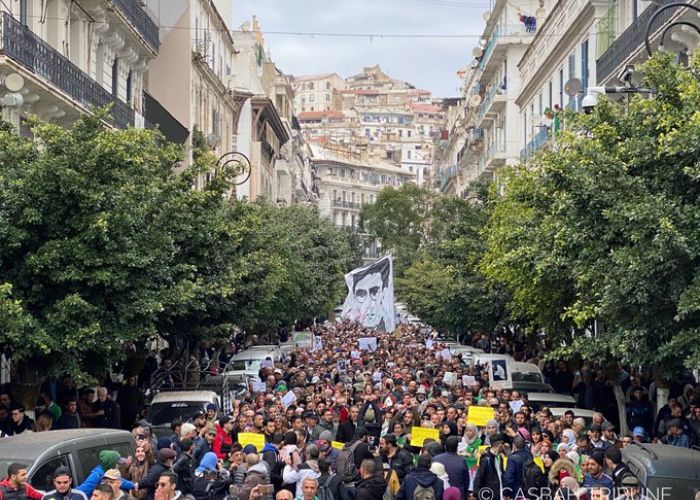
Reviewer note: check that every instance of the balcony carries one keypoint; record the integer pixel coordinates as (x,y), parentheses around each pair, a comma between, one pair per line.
(347,204)
(493,157)
(493,101)
(536,143)
(630,42)
(446,175)
(503,35)
(24,47)
(140,20)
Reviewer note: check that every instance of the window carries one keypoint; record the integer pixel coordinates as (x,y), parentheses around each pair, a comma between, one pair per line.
(335,195)
(303,100)
(328,85)
(400,133)
(328,97)
(129,83)
(540,109)
(408,155)
(23,18)
(115,77)
(584,68)
(42,478)
(572,72)
(312,108)
(312,98)
(409,133)
(362,198)
(311,86)
(561,87)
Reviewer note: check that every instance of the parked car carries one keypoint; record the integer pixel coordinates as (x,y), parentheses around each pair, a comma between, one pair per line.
(665,471)
(166,406)
(77,449)
(538,400)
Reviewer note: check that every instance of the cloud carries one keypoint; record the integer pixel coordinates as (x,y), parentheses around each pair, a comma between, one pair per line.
(428,63)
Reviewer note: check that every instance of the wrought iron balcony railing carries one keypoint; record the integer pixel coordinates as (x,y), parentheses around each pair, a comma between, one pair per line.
(140,20)
(28,49)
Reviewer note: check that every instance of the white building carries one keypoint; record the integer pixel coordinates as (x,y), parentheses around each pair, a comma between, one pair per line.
(316,92)
(60,59)
(509,31)
(550,62)
(191,75)
(346,184)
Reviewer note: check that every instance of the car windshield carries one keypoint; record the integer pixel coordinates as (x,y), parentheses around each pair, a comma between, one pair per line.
(5,463)
(164,413)
(527,377)
(245,364)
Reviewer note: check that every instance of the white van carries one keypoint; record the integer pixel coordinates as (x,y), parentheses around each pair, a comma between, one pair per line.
(539,400)
(251,360)
(483,358)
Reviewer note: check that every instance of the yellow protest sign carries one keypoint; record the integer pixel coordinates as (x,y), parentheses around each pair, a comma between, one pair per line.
(337,445)
(479,415)
(420,434)
(257,440)
(539,462)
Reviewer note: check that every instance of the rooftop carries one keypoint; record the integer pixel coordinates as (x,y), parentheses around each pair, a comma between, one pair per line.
(320,153)
(319,115)
(308,78)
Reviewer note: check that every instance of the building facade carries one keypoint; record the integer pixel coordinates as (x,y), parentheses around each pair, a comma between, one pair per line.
(61,59)
(316,92)
(191,75)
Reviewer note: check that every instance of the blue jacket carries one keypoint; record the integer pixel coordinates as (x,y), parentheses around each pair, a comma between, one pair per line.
(513,475)
(94,479)
(603,481)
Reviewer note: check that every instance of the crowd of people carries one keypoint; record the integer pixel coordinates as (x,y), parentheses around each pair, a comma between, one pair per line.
(388,419)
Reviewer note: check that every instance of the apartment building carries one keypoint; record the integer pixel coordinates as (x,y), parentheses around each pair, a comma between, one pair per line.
(346,183)
(61,59)
(314,93)
(550,62)
(190,77)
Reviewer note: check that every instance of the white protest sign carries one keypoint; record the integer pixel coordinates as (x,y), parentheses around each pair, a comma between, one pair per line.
(450,378)
(289,399)
(258,387)
(355,355)
(367,344)
(515,405)
(377,377)
(468,380)
(429,344)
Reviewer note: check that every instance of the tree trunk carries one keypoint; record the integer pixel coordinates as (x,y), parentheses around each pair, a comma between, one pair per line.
(621,407)
(662,391)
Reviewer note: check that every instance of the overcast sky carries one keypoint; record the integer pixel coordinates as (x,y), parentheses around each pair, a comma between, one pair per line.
(429,63)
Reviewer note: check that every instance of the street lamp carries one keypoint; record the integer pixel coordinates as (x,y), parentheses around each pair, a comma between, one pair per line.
(656,14)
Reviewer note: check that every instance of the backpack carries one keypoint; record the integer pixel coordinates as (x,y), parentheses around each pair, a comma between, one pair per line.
(423,493)
(533,479)
(324,491)
(345,464)
(393,485)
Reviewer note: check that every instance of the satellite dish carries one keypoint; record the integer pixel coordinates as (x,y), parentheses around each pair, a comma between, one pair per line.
(14,82)
(572,87)
(477,52)
(475,101)
(486,15)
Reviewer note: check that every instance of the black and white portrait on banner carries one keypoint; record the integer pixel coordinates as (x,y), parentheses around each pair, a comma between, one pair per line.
(370,299)
(499,370)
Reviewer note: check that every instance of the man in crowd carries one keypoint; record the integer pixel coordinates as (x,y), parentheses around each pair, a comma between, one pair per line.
(62,480)
(15,486)
(420,479)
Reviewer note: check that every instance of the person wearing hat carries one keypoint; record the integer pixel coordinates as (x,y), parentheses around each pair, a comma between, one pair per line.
(609,435)
(203,445)
(114,478)
(632,489)
(675,434)
(639,434)
(312,428)
(62,480)
(488,480)
(595,477)
(108,460)
(164,462)
(211,481)
(325,446)
(224,438)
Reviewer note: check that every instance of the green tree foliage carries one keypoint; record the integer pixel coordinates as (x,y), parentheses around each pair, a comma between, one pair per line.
(400,218)
(606,227)
(103,245)
(444,286)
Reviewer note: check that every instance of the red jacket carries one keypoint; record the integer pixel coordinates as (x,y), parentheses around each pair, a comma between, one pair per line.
(30,492)
(222,442)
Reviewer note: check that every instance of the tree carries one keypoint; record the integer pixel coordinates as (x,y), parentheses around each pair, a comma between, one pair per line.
(444,286)
(605,228)
(400,218)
